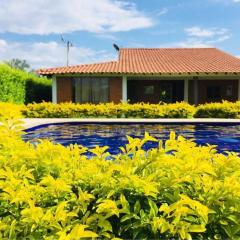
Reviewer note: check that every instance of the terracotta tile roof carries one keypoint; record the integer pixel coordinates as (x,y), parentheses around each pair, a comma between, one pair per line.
(158,61)
(105,67)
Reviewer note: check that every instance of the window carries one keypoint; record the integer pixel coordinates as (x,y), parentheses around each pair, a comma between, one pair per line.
(91,90)
(148,90)
(214,93)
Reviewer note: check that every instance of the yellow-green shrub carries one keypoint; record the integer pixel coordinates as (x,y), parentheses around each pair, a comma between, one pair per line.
(138,110)
(178,190)
(218,110)
(109,110)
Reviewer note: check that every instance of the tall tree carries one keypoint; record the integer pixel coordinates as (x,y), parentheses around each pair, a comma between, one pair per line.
(18,64)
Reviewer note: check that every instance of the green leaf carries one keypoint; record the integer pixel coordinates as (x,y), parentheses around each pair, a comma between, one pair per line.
(197,228)
(223,222)
(12,230)
(105,224)
(153,207)
(126,218)
(124,203)
(137,207)
(233,218)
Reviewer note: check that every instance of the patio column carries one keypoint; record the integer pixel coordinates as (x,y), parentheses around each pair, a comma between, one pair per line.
(124,89)
(239,89)
(186,90)
(54,90)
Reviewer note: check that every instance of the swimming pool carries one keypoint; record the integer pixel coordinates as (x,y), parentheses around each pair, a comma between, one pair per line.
(225,136)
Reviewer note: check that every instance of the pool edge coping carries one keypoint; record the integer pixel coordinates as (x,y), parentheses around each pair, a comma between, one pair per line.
(34,122)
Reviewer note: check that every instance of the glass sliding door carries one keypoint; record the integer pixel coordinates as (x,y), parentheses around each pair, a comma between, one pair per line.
(91,90)
(100,90)
(155,91)
(82,90)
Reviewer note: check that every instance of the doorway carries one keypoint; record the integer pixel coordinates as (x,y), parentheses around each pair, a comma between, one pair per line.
(155,91)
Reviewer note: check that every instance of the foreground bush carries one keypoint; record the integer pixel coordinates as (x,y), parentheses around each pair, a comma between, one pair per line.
(109,110)
(178,190)
(21,87)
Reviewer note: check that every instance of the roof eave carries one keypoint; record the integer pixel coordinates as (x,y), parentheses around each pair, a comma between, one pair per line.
(184,74)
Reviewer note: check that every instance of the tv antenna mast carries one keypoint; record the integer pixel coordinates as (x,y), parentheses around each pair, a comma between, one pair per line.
(68,45)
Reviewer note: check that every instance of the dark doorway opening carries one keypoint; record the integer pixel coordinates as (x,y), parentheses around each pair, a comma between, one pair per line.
(155,91)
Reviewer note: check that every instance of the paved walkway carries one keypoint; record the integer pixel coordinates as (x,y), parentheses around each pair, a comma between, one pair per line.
(33,122)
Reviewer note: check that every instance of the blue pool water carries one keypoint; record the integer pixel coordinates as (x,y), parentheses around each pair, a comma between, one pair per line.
(225,136)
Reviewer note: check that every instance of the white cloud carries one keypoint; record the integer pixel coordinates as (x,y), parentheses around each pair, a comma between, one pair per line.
(106,36)
(189,43)
(226,2)
(219,39)
(3,44)
(50,54)
(162,11)
(193,44)
(204,32)
(204,37)
(64,16)
(201,43)
(201,38)
(198,32)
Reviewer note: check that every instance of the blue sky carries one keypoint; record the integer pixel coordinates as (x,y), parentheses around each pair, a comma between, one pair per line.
(31,29)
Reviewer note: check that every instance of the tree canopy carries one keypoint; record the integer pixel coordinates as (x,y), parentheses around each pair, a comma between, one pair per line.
(18,64)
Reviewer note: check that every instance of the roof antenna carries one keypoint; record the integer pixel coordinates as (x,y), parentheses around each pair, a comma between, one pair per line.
(116,47)
(68,45)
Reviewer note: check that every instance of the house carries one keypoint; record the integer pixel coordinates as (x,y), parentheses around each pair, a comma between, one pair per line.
(194,75)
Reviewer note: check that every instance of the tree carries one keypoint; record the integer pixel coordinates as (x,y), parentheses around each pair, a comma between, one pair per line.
(18,64)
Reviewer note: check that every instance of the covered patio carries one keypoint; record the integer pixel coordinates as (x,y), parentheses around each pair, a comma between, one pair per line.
(148,89)
(195,90)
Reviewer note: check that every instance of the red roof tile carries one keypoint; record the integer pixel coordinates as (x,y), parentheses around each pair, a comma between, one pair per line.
(158,61)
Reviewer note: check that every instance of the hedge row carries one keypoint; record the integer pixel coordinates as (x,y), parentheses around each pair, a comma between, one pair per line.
(21,87)
(110,110)
(176,191)
(218,110)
